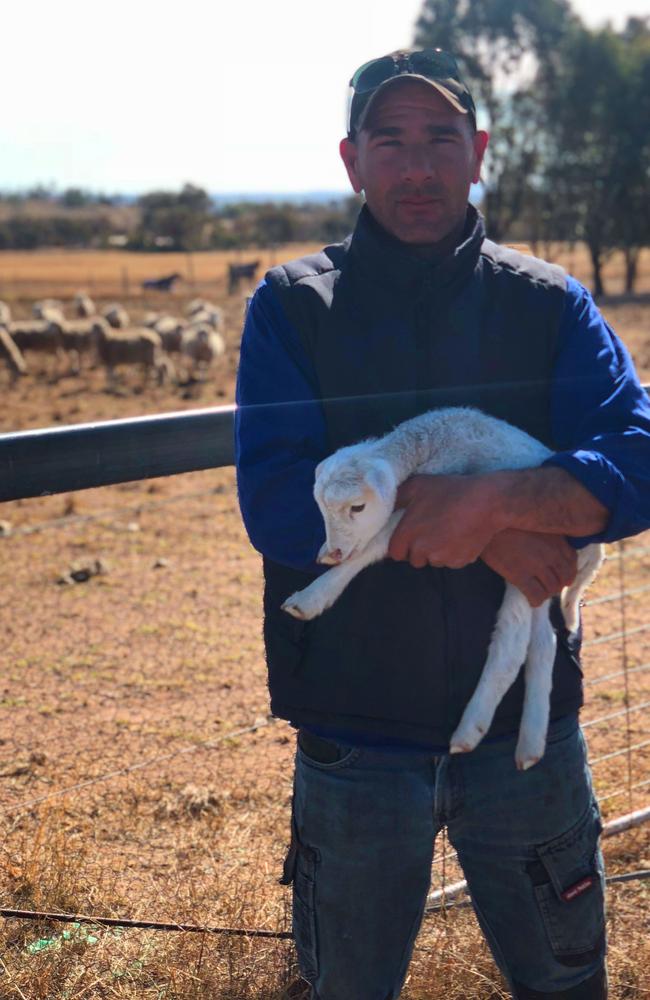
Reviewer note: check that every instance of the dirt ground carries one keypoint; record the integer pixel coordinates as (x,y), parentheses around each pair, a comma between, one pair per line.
(140,774)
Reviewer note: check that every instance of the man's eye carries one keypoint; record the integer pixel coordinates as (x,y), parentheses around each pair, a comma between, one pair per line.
(357,508)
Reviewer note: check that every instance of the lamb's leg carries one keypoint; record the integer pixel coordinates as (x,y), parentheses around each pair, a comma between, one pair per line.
(321,594)
(537,698)
(506,654)
(589,562)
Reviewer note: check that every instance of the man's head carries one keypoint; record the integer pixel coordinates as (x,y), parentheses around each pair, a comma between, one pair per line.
(412,145)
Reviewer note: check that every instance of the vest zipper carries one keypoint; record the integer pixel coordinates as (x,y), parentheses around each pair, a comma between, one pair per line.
(424,330)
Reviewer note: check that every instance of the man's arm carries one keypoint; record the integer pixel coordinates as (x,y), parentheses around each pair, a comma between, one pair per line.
(596,489)
(449,520)
(279,438)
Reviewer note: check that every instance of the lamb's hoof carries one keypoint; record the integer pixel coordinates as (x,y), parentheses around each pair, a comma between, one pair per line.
(571,619)
(466,738)
(303,605)
(527,755)
(524,763)
(293,608)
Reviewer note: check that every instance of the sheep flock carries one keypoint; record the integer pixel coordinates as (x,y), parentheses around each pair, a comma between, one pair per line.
(77,335)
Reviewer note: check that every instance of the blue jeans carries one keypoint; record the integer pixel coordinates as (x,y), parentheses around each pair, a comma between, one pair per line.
(364,825)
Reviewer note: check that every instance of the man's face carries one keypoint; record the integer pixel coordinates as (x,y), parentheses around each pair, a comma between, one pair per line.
(415,159)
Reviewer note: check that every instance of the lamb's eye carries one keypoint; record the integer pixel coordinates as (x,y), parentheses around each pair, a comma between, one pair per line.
(356,509)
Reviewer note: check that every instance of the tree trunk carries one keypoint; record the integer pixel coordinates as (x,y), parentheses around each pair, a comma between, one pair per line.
(631,267)
(595,252)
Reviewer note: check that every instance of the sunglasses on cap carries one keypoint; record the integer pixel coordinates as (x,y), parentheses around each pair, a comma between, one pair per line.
(434,65)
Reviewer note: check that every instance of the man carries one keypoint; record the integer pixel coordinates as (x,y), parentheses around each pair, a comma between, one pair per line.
(418,310)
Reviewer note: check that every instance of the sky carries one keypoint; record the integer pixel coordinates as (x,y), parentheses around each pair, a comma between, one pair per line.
(245,96)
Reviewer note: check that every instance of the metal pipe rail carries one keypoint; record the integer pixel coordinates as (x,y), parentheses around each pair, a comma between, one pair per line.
(52,460)
(80,456)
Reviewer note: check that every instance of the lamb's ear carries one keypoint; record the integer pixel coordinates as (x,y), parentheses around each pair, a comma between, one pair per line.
(381,478)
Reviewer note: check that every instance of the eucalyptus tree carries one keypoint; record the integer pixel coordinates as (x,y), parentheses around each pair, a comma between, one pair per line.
(507,50)
(598,144)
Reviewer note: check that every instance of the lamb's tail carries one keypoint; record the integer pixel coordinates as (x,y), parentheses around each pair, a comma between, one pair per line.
(589,562)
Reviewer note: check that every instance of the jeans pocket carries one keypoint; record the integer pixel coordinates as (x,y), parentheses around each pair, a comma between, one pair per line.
(568,881)
(326,755)
(304,913)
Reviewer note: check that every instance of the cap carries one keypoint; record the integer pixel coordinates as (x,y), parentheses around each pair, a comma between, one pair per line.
(433,66)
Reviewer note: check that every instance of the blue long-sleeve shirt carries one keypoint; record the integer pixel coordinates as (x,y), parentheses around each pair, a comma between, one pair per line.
(600,418)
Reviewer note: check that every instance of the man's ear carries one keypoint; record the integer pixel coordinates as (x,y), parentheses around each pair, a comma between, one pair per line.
(350,156)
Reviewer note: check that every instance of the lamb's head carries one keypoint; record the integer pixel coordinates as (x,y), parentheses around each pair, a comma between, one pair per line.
(356,495)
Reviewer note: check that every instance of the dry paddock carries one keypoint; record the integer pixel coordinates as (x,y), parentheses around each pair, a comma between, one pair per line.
(132,781)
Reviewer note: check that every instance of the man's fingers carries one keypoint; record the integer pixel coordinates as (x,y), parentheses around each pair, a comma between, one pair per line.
(551,579)
(565,560)
(534,591)
(561,572)
(398,545)
(403,549)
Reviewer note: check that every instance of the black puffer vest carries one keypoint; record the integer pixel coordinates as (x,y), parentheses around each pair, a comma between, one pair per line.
(392,335)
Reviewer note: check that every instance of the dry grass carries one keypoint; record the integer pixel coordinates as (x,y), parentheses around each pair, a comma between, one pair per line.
(157,662)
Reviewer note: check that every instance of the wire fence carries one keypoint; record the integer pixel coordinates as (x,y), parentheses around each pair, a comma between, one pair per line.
(618,736)
(625,782)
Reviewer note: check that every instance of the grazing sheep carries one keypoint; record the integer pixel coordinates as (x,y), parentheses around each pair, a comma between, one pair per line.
(162,284)
(137,345)
(202,344)
(84,306)
(116,316)
(79,339)
(10,354)
(170,330)
(196,306)
(212,315)
(238,272)
(355,490)
(202,311)
(39,336)
(5,314)
(49,310)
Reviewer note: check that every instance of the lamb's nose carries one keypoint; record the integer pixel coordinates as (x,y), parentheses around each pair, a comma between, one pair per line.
(336,555)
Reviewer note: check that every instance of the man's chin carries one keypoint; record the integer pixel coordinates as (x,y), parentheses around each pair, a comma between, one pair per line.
(422,236)
(425,231)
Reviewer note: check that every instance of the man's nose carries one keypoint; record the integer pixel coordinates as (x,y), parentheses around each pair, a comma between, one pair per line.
(418,164)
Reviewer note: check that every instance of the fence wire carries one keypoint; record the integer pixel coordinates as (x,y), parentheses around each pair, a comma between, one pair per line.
(627,785)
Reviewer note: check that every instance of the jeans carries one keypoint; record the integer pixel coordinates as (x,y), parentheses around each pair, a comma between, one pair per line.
(364,824)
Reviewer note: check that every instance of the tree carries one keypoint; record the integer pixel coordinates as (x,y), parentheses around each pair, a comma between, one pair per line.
(181,218)
(75,197)
(598,144)
(633,194)
(506,49)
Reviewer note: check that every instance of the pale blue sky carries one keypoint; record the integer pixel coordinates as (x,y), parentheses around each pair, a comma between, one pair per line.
(246,96)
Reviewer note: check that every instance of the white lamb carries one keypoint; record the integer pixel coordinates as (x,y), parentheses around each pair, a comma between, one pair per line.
(355,490)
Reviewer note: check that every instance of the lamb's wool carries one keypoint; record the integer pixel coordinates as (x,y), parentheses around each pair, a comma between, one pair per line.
(355,489)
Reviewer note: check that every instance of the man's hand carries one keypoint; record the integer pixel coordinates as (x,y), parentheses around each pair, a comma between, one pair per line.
(453,520)
(540,565)
(447,521)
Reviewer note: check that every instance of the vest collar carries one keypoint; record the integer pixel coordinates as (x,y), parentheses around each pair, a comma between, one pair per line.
(385,259)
